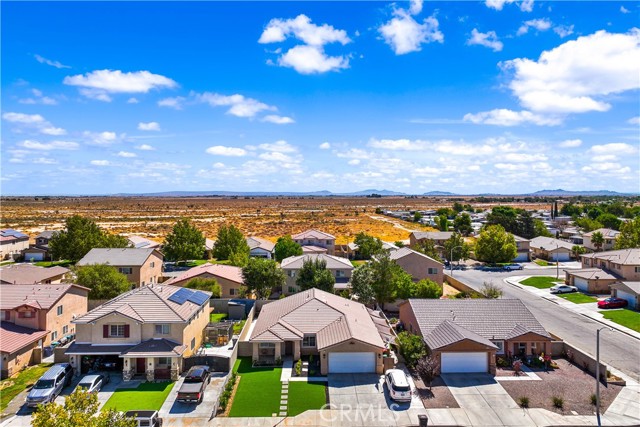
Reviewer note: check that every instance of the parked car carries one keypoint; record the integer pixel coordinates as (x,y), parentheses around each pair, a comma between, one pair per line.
(50,384)
(195,382)
(145,418)
(198,373)
(613,303)
(93,383)
(398,385)
(562,289)
(511,267)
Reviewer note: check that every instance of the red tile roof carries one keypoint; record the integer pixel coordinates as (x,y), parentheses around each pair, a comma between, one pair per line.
(14,337)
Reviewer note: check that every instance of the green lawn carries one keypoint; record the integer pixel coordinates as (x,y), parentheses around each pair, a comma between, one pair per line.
(11,387)
(147,396)
(217,317)
(541,282)
(63,263)
(237,327)
(578,298)
(305,396)
(6,262)
(542,262)
(357,263)
(196,262)
(258,393)
(625,317)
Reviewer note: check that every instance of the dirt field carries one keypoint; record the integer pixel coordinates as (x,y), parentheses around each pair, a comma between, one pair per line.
(266,217)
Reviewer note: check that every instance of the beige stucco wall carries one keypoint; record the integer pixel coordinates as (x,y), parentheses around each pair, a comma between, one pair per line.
(331,246)
(147,273)
(92,333)
(225,284)
(418,267)
(196,330)
(74,302)
(13,363)
(13,248)
(351,346)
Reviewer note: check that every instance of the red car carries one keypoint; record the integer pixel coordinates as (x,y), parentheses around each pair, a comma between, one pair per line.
(612,303)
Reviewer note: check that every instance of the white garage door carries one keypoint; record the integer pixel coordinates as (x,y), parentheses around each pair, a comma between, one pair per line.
(342,363)
(581,284)
(464,362)
(522,256)
(629,297)
(561,256)
(33,256)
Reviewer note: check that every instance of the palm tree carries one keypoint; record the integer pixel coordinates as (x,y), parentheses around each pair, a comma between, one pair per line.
(598,240)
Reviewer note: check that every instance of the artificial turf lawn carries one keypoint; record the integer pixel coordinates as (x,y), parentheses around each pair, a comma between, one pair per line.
(578,298)
(541,282)
(217,317)
(625,317)
(304,396)
(11,387)
(147,396)
(258,393)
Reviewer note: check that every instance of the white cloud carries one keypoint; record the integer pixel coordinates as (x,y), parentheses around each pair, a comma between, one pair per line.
(34,121)
(101,138)
(53,131)
(221,150)
(97,94)
(133,100)
(311,60)
(542,24)
(525,5)
(145,147)
(404,34)
(624,10)
(239,105)
(175,103)
(607,167)
(218,165)
(488,39)
(100,162)
(280,146)
(523,157)
(279,120)
(613,148)
(99,84)
(38,98)
(573,77)
(634,120)
(508,166)
(324,146)
(44,161)
(276,156)
(604,158)
(571,143)
(505,117)
(563,30)
(56,64)
(354,162)
(46,146)
(416,7)
(150,126)
(398,144)
(126,154)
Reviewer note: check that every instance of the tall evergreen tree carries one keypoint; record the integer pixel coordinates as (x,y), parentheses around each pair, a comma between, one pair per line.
(184,242)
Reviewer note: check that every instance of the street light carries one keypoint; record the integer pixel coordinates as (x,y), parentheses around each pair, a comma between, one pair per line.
(451,259)
(598,371)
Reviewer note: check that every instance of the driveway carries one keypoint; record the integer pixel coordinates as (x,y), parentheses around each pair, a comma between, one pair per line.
(172,410)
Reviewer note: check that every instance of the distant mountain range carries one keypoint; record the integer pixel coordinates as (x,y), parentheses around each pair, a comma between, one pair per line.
(363,193)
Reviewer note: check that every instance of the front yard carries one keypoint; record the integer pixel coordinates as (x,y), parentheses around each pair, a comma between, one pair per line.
(541,282)
(578,298)
(258,393)
(147,396)
(304,396)
(11,387)
(624,317)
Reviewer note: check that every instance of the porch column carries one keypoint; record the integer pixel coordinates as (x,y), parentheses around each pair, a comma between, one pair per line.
(528,350)
(175,368)
(278,353)
(296,350)
(150,368)
(256,351)
(128,369)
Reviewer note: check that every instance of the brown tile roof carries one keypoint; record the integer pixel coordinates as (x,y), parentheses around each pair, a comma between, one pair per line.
(591,273)
(28,273)
(549,244)
(119,257)
(14,337)
(313,234)
(332,318)
(333,262)
(257,242)
(405,251)
(147,304)
(40,296)
(447,333)
(621,256)
(156,348)
(627,286)
(228,272)
(606,233)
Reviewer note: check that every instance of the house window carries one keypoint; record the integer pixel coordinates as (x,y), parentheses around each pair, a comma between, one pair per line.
(291,273)
(153,264)
(431,270)
(233,291)
(637,269)
(65,329)
(54,335)
(267,345)
(339,273)
(193,343)
(25,314)
(59,310)
(328,242)
(116,331)
(165,361)
(292,290)
(163,329)
(309,340)
(125,270)
(522,347)
(6,315)
(500,345)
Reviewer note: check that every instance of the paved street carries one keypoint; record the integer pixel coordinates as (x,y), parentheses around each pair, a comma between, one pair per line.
(616,349)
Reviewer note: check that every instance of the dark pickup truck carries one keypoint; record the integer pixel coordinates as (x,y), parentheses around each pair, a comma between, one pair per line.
(192,389)
(145,418)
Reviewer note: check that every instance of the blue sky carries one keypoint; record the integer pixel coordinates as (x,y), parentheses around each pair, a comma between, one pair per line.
(468,97)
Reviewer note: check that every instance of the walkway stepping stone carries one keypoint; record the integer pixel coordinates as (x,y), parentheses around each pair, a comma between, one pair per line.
(282,414)
(283,407)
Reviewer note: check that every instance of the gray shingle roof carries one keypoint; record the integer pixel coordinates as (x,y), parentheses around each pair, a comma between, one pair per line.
(76,348)
(621,256)
(259,243)
(490,318)
(591,273)
(405,251)
(447,333)
(631,287)
(313,234)
(28,273)
(549,244)
(47,234)
(120,257)
(156,348)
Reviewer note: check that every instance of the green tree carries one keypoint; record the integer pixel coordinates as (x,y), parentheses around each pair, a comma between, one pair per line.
(429,248)
(314,274)
(526,225)
(184,242)
(540,229)
(609,221)
(443,223)
(367,245)
(230,240)
(79,236)
(597,239)
(384,271)
(412,347)
(571,210)
(399,243)
(204,284)
(286,247)
(426,288)
(457,206)
(577,250)
(404,285)
(104,281)
(362,280)
(262,277)
(456,248)
(505,216)
(495,245)
(239,259)
(80,409)
(587,224)
(629,236)
(462,224)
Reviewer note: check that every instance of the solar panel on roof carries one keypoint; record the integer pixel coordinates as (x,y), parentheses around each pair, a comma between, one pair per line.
(181,296)
(198,297)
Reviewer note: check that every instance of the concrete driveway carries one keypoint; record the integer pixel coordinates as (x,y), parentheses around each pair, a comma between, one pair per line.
(172,410)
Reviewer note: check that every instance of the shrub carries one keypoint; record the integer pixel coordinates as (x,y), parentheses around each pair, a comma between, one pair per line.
(558,402)
(491,291)
(523,402)
(393,320)
(299,367)
(412,347)
(594,399)
(502,362)
(517,367)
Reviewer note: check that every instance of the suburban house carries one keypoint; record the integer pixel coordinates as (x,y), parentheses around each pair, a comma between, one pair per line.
(140,242)
(467,335)
(146,331)
(627,290)
(418,265)
(523,246)
(551,249)
(350,250)
(317,239)
(341,268)
(12,243)
(345,335)
(228,277)
(209,245)
(141,266)
(39,251)
(438,237)
(260,248)
(29,273)
(313,250)
(608,239)
(602,269)
(34,317)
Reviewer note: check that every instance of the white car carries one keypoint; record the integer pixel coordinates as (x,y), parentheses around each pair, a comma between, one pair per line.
(93,383)
(562,289)
(398,385)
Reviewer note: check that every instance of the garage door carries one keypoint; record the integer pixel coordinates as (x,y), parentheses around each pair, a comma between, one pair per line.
(522,256)
(561,256)
(33,256)
(629,297)
(342,363)
(581,284)
(464,362)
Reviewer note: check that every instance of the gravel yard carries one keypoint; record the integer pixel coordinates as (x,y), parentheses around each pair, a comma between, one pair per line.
(568,382)
(438,397)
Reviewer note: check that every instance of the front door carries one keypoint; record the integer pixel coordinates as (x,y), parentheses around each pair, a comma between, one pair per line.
(288,348)
(140,365)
